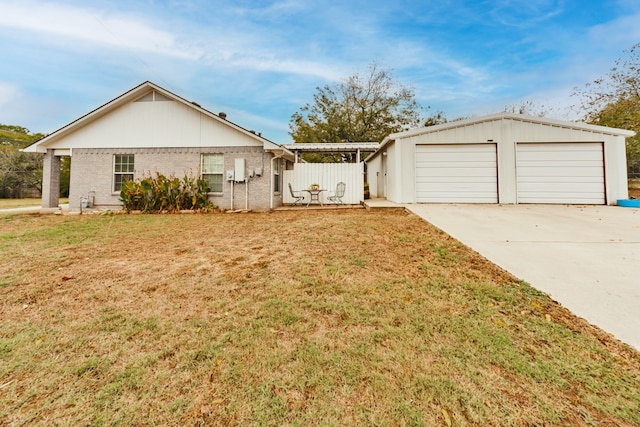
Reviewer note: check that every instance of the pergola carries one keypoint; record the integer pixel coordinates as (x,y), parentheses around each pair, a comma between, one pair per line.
(347,147)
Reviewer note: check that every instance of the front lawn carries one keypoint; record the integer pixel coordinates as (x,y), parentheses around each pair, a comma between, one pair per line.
(19,203)
(292,318)
(22,203)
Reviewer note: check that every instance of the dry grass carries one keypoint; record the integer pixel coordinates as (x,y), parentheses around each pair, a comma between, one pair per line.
(20,203)
(291,318)
(634,192)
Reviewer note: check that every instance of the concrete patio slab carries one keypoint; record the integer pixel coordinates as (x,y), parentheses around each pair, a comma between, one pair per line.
(585,257)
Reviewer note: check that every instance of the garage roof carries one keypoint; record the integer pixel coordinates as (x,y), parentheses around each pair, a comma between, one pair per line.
(508,116)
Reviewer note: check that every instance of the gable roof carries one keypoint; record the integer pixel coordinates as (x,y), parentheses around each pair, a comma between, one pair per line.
(40,146)
(511,117)
(514,117)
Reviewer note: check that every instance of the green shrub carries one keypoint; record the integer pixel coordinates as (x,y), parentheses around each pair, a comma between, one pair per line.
(165,194)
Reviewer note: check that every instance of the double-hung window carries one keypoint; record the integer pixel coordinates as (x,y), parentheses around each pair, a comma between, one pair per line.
(212,169)
(123,168)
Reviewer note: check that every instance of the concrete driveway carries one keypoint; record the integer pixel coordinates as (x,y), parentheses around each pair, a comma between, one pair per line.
(585,257)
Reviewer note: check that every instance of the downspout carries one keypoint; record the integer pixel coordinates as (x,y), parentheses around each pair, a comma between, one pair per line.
(272,181)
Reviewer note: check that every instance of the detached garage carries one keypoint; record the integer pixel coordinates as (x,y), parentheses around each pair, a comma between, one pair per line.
(503,158)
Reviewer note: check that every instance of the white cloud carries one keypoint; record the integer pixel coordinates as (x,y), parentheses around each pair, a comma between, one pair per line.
(21,108)
(525,13)
(621,33)
(275,10)
(284,65)
(233,47)
(8,93)
(91,26)
(255,121)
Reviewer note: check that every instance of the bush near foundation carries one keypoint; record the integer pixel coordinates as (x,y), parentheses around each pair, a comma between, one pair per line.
(166,194)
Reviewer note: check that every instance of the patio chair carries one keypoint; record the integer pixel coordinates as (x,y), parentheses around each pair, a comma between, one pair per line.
(338,194)
(297,195)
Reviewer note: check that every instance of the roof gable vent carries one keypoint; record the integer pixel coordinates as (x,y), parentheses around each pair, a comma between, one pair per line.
(153,96)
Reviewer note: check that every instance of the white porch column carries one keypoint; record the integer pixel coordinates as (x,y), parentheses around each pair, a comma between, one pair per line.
(50,180)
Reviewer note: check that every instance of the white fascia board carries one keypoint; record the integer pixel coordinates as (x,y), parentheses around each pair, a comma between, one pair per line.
(383,144)
(272,147)
(335,147)
(33,148)
(514,117)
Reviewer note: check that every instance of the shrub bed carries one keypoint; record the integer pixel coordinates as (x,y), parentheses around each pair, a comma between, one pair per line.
(166,194)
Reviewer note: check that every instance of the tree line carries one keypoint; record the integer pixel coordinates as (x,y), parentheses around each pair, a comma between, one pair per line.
(21,173)
(614,100)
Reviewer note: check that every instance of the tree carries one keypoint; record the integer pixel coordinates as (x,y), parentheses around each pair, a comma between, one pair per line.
(358,109)
(614,100)
(437,118)
(65,176)
(529,108)
(18,171)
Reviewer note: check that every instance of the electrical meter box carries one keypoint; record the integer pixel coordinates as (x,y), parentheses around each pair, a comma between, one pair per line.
(240,170)
(230,175)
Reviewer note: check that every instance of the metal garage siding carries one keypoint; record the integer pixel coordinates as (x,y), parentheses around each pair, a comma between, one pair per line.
(563,173)
(456,173)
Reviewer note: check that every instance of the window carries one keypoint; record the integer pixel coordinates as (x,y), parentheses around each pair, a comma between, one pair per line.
(212,165)
(122,170)
(276,176)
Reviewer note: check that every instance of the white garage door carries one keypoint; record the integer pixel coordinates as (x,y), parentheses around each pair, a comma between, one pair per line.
(456,173)
(565,173)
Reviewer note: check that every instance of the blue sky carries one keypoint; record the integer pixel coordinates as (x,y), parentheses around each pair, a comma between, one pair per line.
(261,60)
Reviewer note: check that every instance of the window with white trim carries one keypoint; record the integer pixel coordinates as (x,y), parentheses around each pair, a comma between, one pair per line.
(123,168)
(212,170)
